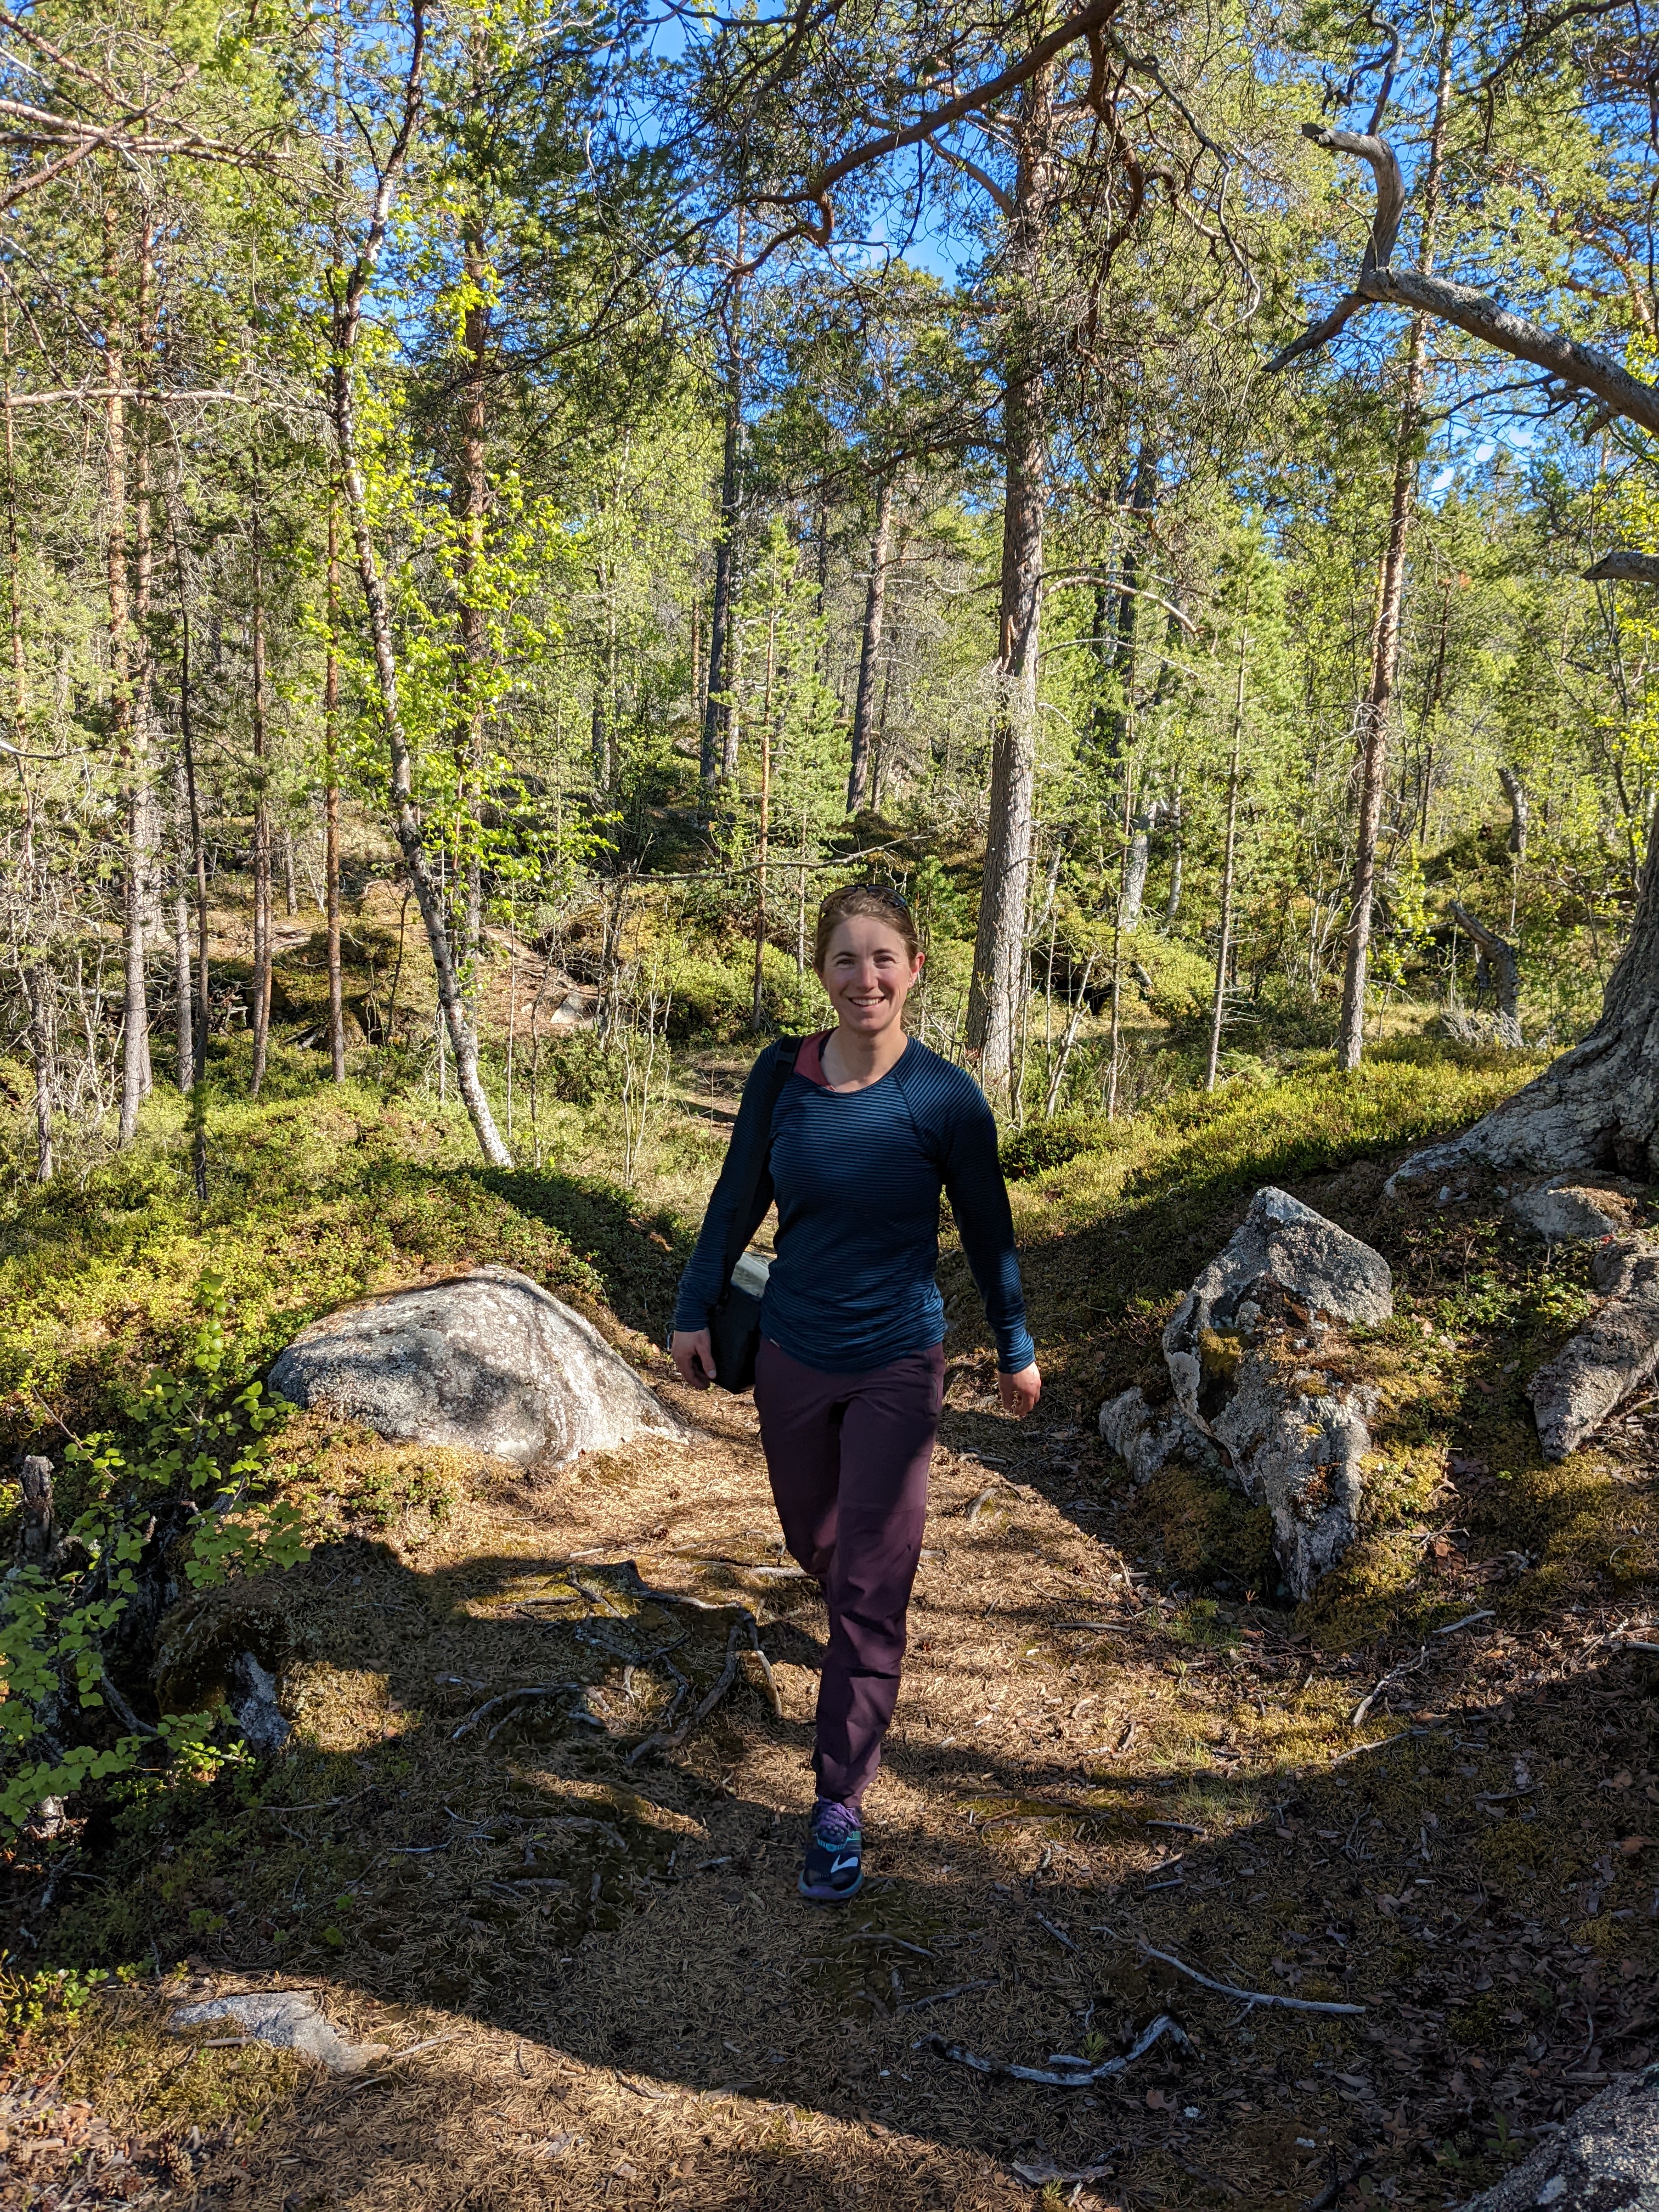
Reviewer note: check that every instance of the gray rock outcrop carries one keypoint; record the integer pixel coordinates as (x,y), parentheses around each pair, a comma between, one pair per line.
(1146,1440)
(287,2019)
(1606,2159)
(1308,1261)
(1252,1399)
(487,1362)
(1294,1443)
(1570,1209)
(1610,1358)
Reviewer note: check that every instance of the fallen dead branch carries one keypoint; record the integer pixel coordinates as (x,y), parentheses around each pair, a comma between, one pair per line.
(728,1674)
(1380,1743)
(1078,2073)
(510,1697)
(976,1507)
(1395,1675)
(1467,1621)
(1059,1934)
(1250,1996)
(1040,2173)
(944,1997)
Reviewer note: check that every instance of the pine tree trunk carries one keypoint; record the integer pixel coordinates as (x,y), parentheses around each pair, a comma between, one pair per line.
(262,912)
(199,865)
(127,738)
(717,714)
(998,985)
(331,797)
(875,605)
(35,976)
(1376,711)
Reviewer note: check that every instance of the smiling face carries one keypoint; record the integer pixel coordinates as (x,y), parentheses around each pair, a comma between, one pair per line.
(868,970)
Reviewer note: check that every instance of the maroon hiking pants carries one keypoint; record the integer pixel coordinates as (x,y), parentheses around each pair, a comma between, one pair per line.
(848,1457)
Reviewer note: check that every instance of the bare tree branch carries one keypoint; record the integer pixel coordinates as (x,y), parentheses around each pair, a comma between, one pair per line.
(1580,368)
(1623,567)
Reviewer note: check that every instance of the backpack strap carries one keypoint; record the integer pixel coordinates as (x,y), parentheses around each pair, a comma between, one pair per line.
(746,1215)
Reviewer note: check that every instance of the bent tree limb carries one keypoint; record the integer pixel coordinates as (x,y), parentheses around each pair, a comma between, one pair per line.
(1578,368)
(1598,1105)
(406,823)
(1503,966)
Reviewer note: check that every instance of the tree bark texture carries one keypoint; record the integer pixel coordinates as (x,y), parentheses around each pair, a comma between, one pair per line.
(999,983)
(332,798)
(1376,712)
(124,731)
(875,609)
(1503,965)
(1597,1106)
(184,998)
(262,912)
(717,714)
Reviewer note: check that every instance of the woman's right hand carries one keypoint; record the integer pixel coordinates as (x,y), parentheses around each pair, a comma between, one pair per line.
(692,1350)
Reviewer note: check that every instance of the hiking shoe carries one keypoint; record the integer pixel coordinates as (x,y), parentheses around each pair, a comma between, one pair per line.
(834,1856)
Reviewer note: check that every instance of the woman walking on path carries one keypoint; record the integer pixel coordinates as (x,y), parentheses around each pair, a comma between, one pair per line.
(868,1128)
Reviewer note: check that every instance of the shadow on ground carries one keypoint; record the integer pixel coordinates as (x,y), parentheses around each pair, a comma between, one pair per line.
(622,1961)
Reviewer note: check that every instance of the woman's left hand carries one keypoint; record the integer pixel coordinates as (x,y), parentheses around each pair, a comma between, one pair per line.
(1019,1393)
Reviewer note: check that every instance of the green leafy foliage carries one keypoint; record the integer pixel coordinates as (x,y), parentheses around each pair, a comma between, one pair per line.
(185,1487)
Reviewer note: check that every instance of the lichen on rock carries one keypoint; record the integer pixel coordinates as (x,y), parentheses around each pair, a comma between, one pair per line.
(487,1361)
(1610,1358)
(1258,1395)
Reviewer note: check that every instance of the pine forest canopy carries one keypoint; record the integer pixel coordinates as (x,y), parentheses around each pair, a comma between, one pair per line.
(1176,487)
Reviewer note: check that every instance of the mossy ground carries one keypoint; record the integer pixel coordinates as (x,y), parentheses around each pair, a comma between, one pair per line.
(1110,1742)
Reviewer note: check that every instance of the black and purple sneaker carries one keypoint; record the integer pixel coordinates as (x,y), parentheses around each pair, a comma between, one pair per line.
(835,1855)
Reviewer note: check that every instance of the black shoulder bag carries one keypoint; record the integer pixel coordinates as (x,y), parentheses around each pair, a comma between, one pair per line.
(734,1317)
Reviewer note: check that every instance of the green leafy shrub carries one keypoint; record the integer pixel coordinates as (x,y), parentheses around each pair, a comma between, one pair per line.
(183,1491)
(1041,1146)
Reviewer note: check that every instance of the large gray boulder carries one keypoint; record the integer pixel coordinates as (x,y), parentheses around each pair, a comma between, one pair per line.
(1307,1260)
(1608,1360)
(1606,2159)
(1250,1396)
(487,1362)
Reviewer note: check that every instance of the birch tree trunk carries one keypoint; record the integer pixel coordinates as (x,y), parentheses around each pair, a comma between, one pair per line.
(405,820)
(1224,923)
(472,502)
(875,607)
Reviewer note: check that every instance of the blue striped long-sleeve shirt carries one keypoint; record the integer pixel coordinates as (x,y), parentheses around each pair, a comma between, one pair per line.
(857,1175)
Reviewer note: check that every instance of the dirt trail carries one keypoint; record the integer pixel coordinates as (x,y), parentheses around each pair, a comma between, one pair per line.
(619,1997)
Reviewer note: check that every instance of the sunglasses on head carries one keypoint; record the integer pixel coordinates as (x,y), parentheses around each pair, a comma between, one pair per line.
(893,896)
